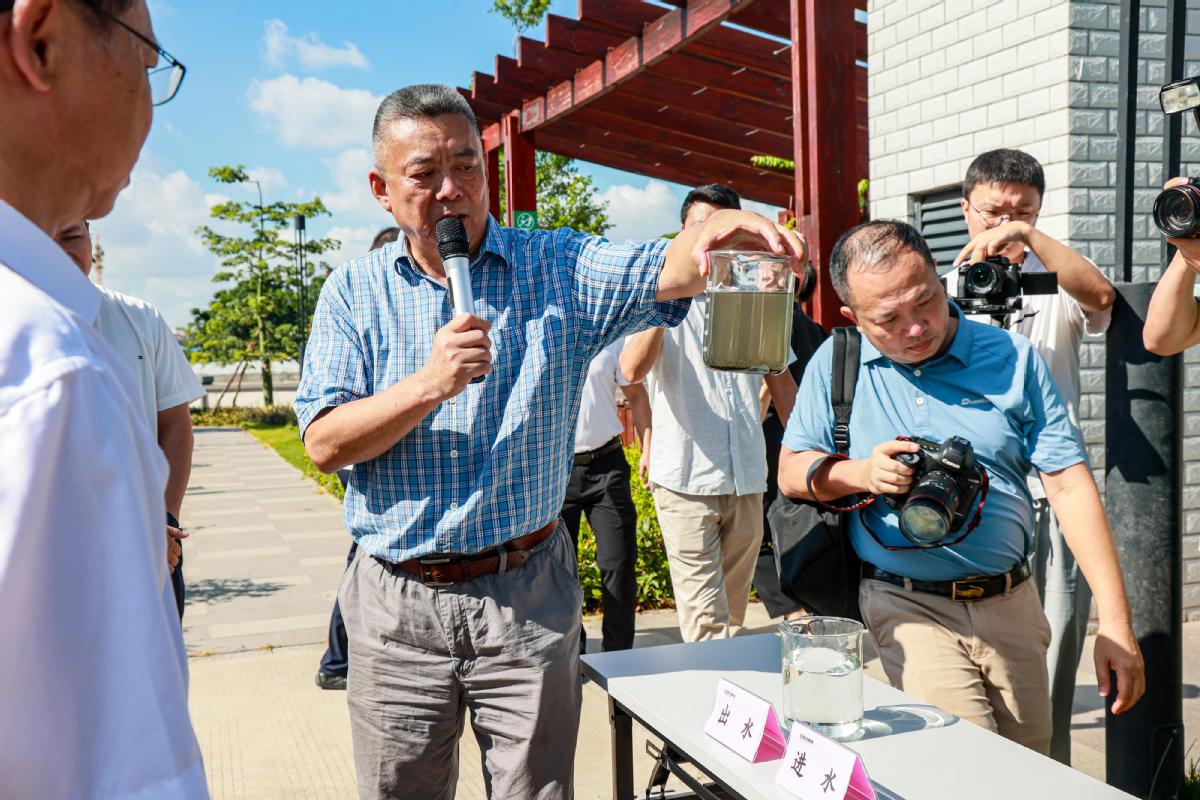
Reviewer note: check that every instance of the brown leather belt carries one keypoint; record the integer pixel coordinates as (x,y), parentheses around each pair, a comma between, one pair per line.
(443,571)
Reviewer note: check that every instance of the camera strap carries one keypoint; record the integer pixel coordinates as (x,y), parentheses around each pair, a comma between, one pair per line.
(843,382)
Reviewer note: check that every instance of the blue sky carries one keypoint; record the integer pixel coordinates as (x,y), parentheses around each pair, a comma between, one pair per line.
(289,90)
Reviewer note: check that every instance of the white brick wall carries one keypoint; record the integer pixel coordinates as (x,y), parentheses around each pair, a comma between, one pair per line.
(949,79)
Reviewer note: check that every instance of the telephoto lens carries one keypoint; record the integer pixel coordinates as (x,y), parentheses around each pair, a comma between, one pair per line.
(926,518)
(1177,211)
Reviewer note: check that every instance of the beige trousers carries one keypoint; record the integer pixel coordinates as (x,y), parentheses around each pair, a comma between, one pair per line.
(983,660)
(712,544)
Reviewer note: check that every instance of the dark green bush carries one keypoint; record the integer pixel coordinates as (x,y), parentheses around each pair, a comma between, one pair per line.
(653,576)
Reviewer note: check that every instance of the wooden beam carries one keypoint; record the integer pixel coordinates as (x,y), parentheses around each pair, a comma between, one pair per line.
(672,155)
(744,50)
(831,123)
(768,16)
(593,116)
(626,17)
(485,110)
(748,189)
(493,173)
(579,37)
(520,175)
(682,121)
(483,87)
(733,80)
(562,64)
(719,105)
(530,83)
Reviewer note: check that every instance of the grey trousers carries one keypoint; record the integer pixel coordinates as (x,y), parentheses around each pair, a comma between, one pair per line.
(503,647)
(1067,601)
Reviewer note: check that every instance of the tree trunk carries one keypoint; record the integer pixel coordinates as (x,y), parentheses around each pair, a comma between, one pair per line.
(268,384)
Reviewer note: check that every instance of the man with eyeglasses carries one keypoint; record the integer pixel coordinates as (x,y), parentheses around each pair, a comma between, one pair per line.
(957,622)
(93,672)
(1002,196)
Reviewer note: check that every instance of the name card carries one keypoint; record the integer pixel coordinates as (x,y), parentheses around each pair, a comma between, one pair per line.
(815,766)
(745,723)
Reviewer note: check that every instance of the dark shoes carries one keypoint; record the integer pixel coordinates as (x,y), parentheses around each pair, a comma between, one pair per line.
(327,681)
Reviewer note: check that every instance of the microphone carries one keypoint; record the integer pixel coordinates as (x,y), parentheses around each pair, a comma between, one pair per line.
(455,250)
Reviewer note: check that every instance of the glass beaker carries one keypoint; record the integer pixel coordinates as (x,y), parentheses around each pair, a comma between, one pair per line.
(822,675)
(748,325)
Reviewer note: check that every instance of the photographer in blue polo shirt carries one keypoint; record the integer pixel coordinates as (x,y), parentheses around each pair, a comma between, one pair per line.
(958,625)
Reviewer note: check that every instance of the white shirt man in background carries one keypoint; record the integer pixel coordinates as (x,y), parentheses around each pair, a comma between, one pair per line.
(166,384)
(599,488)
(1002,195)
(707,457)
(93,674)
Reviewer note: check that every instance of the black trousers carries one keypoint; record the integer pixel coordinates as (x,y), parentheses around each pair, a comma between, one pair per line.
(336,660)
(601,491)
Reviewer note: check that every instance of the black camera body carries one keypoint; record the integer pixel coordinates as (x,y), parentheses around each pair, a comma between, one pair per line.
(945,483)
(995,286)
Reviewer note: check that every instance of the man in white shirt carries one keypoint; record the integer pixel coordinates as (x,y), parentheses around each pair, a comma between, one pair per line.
(707,457)
(1002,195)
(599,488)
(166,384)
(93,682)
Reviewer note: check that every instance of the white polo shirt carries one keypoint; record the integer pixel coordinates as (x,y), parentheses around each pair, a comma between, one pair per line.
(93,672)
(144,343)
(708,437)
(598,421)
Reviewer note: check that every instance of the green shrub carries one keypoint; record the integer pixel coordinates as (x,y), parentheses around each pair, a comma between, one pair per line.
(653,575)
(239,416)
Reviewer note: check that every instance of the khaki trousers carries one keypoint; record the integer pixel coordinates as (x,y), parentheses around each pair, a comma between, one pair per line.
(712,543)
(983,660)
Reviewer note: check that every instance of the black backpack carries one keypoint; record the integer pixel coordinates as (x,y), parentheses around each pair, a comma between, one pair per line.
(817,565)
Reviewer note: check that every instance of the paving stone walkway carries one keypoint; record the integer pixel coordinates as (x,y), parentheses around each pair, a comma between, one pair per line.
(263,563)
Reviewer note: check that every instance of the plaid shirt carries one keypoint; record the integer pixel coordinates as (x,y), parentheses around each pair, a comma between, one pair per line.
(491,463)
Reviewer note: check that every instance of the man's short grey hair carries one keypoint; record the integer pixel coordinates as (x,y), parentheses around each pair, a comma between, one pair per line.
(872,246)
(419,101)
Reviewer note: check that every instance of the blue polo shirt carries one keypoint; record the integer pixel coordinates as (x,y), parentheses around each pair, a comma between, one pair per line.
(990,387)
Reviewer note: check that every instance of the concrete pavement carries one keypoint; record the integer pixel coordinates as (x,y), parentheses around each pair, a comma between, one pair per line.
(263,563)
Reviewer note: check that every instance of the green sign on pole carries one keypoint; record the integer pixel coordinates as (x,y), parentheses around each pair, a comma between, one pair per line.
(525,220)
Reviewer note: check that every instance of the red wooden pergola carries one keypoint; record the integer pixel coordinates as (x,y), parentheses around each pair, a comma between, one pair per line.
(689,94)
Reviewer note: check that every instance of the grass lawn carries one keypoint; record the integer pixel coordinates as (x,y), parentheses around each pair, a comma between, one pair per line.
(285,440)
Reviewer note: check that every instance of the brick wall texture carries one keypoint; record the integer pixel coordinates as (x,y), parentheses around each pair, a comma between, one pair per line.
(949,79)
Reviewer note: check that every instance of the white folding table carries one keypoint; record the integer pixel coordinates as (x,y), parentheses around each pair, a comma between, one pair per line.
(910,750)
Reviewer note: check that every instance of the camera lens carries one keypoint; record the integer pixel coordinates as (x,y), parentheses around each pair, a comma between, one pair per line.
(924,522)
(982,279)
(925,517)
(1177,211)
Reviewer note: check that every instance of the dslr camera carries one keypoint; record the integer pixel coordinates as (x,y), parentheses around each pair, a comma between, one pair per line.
(945,483)
(1177,210)
(995,286)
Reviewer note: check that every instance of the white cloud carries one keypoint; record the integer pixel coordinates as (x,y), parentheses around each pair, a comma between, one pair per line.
(150,246)
(641,213)
(271,179)
(311,112)
(280,48)
(768,211)
(355,242)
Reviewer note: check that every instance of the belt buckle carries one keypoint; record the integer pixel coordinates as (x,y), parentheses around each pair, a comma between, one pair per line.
(425,576)
(967,589)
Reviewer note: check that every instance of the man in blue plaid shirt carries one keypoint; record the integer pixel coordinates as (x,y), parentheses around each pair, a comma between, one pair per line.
(464,592)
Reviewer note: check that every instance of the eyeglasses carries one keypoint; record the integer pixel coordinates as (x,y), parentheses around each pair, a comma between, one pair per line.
(164,77)
(993,220)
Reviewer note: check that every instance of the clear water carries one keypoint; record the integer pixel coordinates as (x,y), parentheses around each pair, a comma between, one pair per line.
(823,688)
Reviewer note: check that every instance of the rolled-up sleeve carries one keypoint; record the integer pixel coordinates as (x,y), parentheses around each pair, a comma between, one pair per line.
(335,367)
(615,286)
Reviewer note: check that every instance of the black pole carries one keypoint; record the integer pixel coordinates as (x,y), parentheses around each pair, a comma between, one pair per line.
(298,227)
(1173,128)
(1126,133)
(1144,492)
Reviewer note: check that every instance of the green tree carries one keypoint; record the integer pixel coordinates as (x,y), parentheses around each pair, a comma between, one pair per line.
(565,197)
(523,14)
(255,314)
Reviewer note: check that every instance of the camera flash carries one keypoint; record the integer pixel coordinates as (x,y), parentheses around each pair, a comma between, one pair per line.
(1179,96)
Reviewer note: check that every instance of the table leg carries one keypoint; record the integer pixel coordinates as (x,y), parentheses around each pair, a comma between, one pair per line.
(622,751)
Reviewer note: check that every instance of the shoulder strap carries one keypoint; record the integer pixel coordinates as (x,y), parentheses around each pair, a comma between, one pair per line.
(844,381)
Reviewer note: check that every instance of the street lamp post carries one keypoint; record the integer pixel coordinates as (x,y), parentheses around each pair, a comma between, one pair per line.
(298,228)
